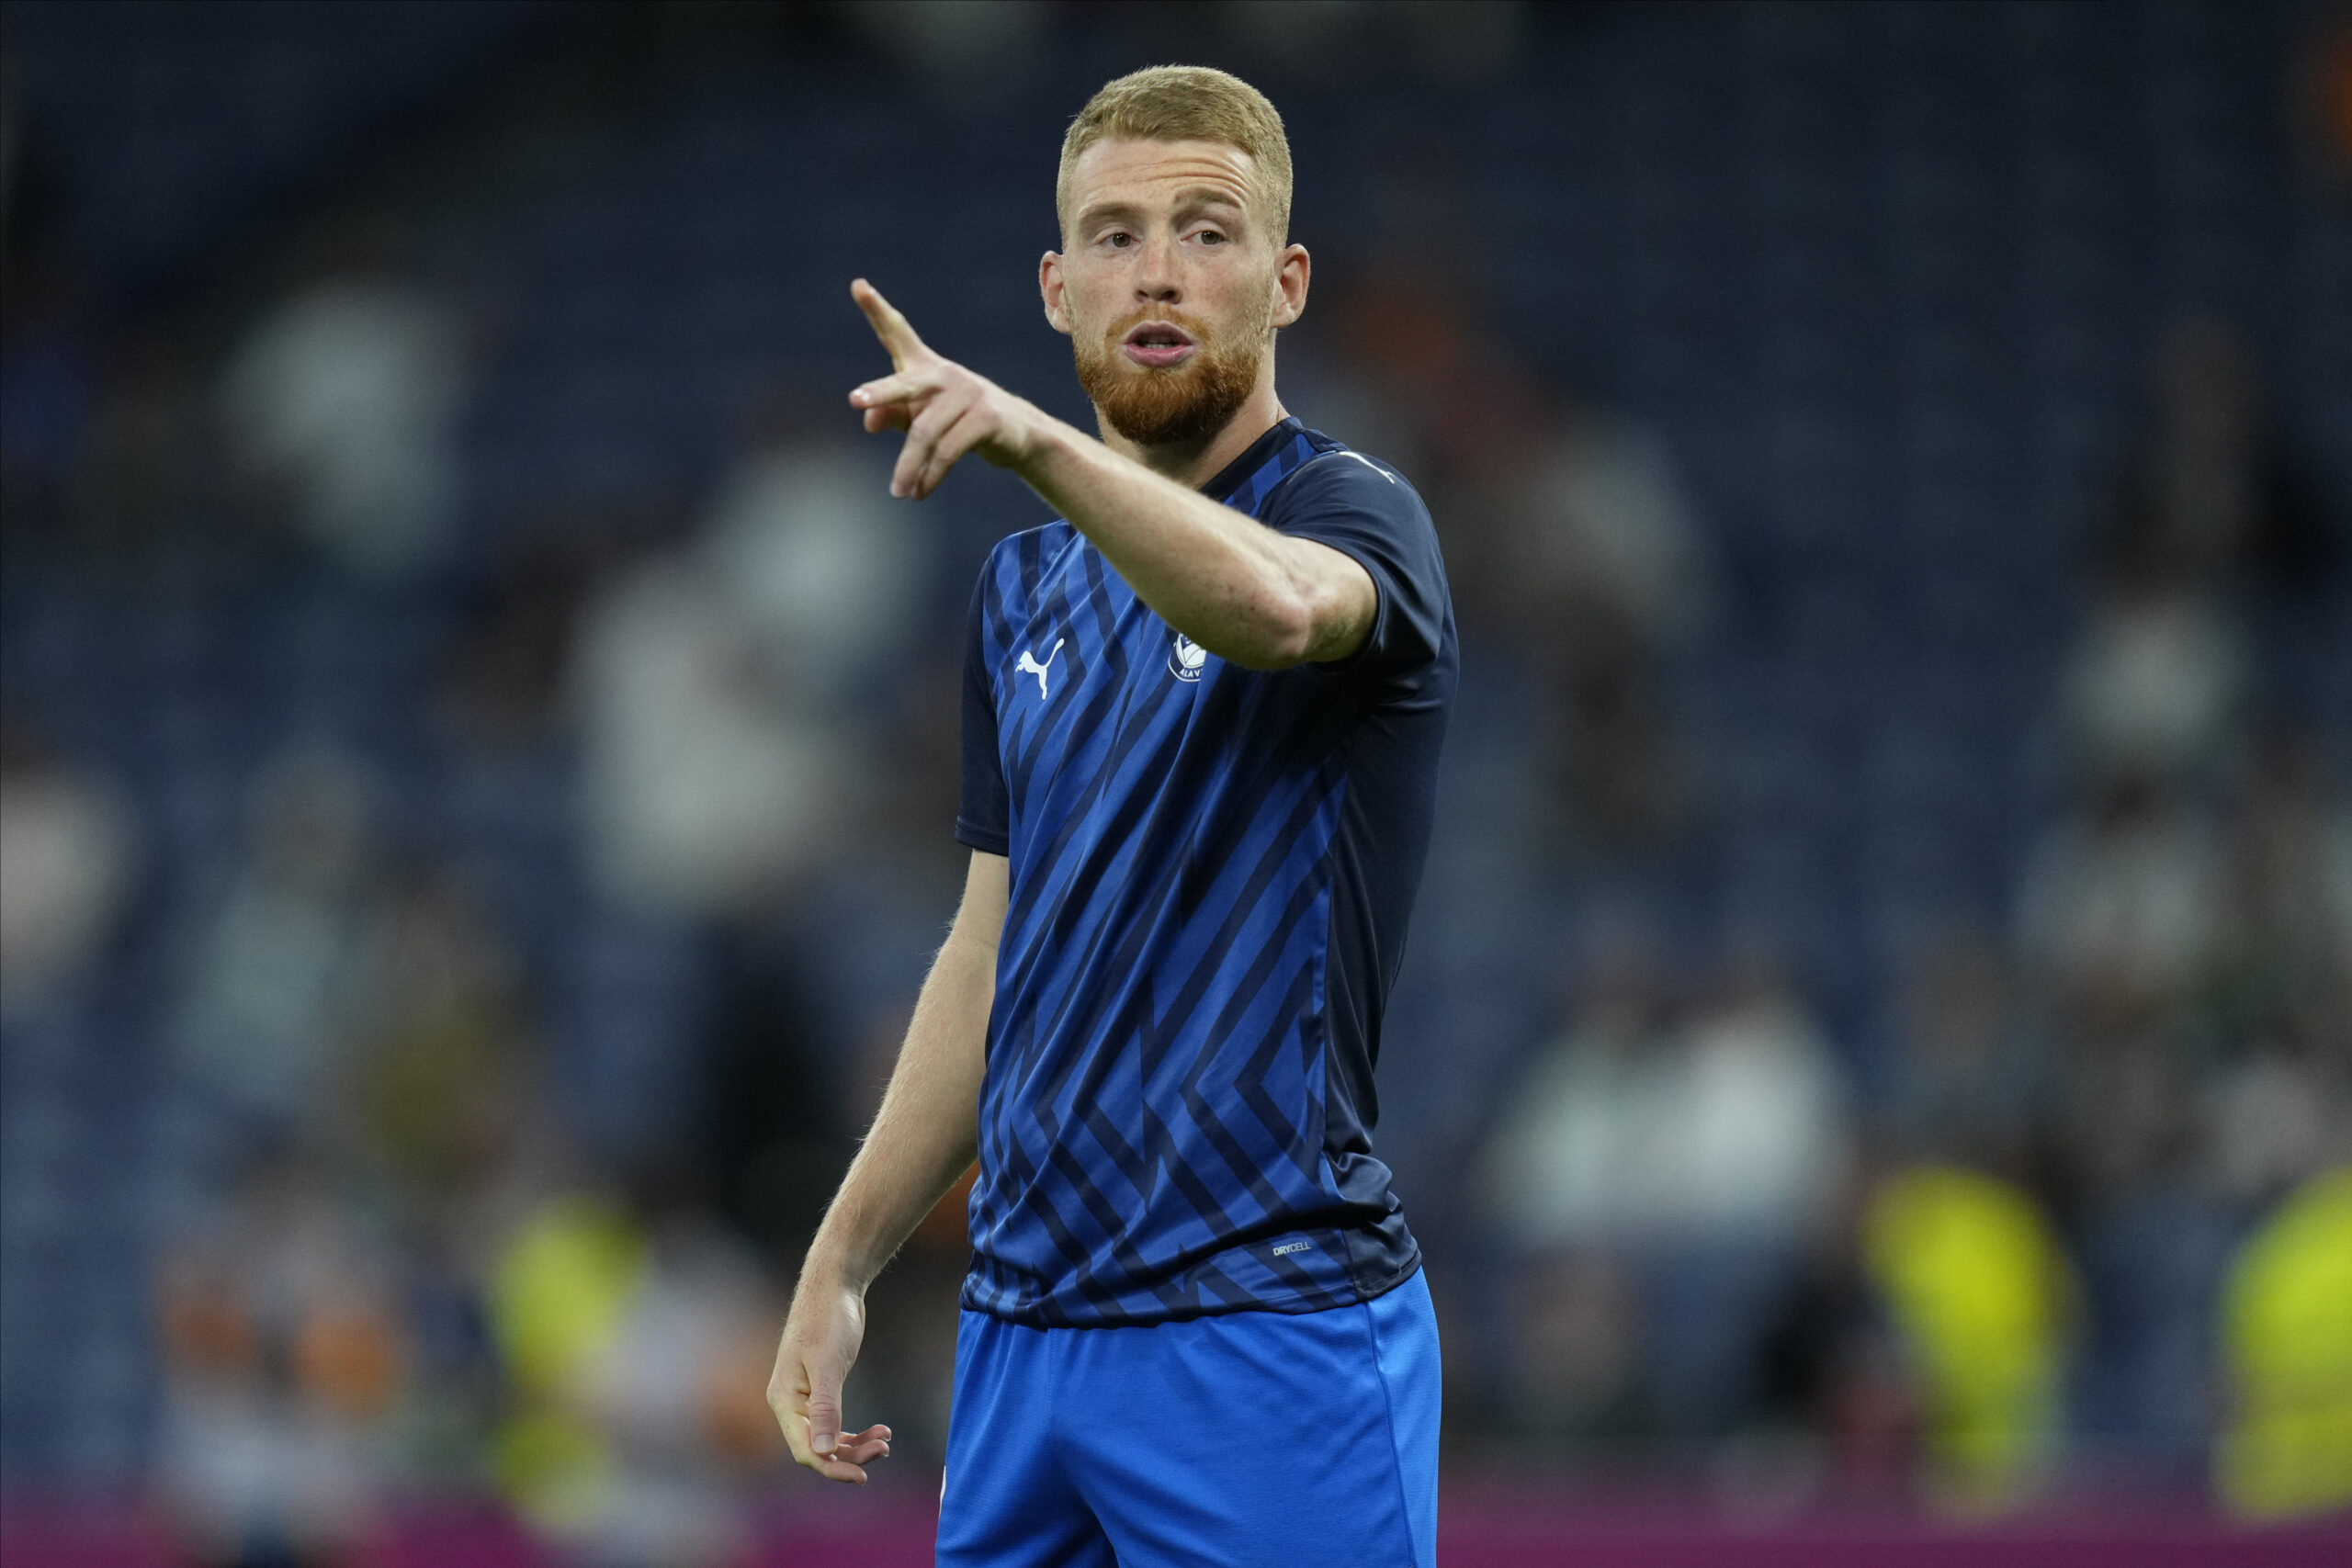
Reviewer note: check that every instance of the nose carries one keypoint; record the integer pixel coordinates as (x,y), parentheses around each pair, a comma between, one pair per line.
(1158,279)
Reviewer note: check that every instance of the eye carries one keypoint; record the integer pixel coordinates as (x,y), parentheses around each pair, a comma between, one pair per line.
(1118,239)
(1210,237)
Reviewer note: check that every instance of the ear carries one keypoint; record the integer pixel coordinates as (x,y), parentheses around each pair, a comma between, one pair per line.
(1291,273)
(1051,285)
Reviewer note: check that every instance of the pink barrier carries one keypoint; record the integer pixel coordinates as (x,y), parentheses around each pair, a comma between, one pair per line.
(895,1531)
(1527,1545)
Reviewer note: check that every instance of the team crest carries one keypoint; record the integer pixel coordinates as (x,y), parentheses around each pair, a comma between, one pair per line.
(1186,661)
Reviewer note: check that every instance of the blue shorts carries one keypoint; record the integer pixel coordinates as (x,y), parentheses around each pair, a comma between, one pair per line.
(1247,1439)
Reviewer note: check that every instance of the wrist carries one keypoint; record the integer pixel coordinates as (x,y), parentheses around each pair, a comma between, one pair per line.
(1043,451)
(827,1271)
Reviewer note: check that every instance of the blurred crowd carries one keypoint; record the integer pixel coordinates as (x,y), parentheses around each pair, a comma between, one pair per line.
(523,994)
(2092,1192)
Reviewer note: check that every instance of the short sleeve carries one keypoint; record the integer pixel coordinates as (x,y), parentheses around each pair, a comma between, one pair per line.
(1359,509)
(983,817)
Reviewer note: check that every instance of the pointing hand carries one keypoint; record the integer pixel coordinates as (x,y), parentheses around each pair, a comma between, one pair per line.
(946,409)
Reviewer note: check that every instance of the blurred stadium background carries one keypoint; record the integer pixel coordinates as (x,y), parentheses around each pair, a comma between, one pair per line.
(1873,1073)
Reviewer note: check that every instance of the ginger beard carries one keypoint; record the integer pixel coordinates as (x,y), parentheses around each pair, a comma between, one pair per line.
(1152,406)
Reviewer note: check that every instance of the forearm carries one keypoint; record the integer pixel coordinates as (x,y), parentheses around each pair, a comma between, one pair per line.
(1247,592)
(1240,589)
(926,1132)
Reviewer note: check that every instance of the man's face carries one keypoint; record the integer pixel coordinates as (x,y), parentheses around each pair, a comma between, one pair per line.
(1172,285)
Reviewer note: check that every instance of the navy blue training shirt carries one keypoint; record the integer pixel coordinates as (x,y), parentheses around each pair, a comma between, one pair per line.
(1212,869)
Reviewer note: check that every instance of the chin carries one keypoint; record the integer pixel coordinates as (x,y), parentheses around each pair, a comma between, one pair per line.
(1165,408)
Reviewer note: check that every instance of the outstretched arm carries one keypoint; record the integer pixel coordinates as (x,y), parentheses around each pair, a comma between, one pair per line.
(1243,590)
(923,1137)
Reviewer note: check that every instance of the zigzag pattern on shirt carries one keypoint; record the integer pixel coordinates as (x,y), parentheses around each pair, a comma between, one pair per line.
(1152,1119)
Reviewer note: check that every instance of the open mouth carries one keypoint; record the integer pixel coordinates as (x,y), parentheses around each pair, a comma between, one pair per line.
(1157,344)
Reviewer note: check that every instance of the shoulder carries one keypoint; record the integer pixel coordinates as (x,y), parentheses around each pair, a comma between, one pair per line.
(1365,509)
(1354,501)
(1019,563)
(1032,547)
(1340,479)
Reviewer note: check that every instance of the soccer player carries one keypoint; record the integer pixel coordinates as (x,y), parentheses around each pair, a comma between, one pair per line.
(1201,715)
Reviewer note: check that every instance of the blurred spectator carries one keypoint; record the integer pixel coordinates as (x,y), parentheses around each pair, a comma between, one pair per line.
(714,681)
(831,571)
(1973,1078)
(2208,514)
(439,1078)
(1566,1164)
(1556,1174)
(2273,1117)
(1681,1170)
(285,1359)
(2120,910)
(2288,907)
(678,1394)
(2286,1448)
(1976,1285)
(1732,1126)
(638,1339)
(1757,1132)
(284,969)
(1611,529)
(345,398)
(1618,580)
(2279,1105)
(2153,688)
(558,1291)
(2119,918)
(2209,502)
(1759,1142)
(2148,1231)
(68,853)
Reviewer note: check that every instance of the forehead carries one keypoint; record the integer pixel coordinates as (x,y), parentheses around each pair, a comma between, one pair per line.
(1129,170)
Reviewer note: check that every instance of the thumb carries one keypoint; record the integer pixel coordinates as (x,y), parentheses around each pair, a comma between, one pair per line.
(824,1414)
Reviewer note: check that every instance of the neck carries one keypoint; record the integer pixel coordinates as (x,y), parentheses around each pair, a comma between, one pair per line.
(1194,463)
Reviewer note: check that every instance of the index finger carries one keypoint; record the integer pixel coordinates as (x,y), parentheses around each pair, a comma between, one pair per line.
(888,325)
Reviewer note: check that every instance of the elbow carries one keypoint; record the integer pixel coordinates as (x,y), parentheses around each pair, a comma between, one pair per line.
(1282,634)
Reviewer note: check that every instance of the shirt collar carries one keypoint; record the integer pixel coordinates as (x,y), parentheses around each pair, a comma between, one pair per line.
(1230,478)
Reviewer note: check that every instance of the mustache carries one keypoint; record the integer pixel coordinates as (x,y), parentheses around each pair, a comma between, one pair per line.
(1194,328)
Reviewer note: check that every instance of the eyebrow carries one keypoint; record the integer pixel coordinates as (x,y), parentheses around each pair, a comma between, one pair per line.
(1188,202)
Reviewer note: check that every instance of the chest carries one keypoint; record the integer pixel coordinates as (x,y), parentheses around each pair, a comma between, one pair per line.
(1088,642)
(1089,679)
(1111,723)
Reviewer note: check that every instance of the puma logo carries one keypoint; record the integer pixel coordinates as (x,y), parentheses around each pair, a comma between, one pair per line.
(1029,665)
